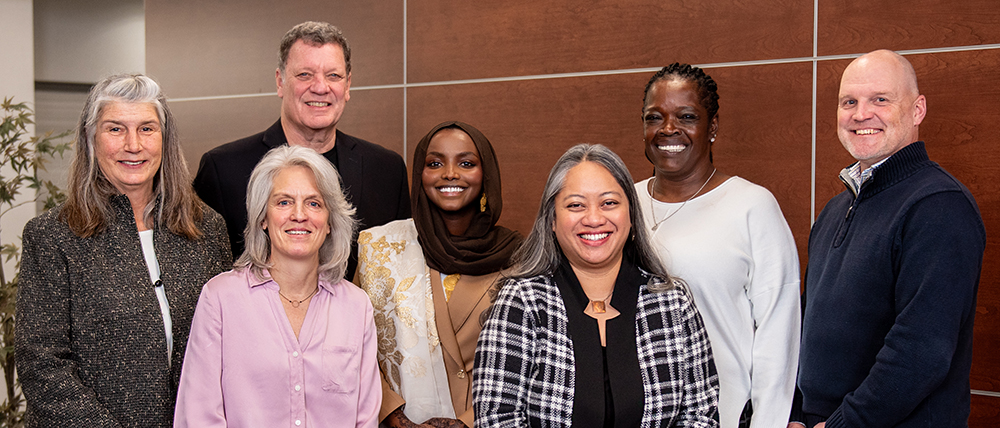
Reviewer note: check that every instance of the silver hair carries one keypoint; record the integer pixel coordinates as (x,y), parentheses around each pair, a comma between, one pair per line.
(334,252)
(540,254)
(136,89)
(88,210)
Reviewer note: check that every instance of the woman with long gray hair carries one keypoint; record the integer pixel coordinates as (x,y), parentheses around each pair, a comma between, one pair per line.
(110,278)
(590,330)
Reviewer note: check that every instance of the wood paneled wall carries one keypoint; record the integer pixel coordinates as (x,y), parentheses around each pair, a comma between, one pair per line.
(538,77)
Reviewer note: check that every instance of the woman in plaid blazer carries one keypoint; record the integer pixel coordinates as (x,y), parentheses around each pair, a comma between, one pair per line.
(589,330)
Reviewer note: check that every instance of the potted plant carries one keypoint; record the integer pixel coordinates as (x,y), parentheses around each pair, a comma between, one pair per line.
(21,157)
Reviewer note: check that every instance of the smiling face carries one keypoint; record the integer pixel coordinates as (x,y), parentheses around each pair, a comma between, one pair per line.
(592,220)
(297,216)
(314,87)
(879,107)
(453,174)
(128,145)
(677,130)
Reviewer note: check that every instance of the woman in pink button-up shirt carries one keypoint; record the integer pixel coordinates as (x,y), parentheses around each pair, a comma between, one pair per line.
(282,340)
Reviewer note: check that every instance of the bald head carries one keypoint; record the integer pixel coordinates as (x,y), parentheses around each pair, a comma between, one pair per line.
(887,63)
(879,107)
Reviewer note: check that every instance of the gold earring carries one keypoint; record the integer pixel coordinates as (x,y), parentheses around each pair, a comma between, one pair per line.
(482,203)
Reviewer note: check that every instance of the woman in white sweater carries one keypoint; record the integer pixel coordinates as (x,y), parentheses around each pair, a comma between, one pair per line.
(728,239)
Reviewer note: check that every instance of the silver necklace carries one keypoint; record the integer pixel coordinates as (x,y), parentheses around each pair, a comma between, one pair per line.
(657,224)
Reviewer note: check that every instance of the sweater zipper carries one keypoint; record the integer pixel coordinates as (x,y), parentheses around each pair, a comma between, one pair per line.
(842,230)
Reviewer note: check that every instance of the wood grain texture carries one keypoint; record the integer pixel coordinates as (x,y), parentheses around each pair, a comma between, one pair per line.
(857,27)
(985,412)
(765,137)
(449,40)
(209,48)
(222,47)
(532,123)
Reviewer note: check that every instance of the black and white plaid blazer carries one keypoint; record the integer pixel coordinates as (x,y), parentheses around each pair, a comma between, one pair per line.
(525,370)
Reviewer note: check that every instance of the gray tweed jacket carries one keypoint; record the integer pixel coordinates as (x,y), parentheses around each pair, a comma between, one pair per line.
(90,345)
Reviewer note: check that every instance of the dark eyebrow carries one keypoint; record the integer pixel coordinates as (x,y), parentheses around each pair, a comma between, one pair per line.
(441,155)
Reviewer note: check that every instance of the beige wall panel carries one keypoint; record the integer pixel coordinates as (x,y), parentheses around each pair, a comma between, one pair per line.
(847,27)
(449,40)
(375,115)
(204,125)
(960,128)
(206,48)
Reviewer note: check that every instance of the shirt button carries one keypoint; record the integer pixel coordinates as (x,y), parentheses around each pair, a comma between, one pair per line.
(295,353)
(298,422)
(298,387)
(461,374)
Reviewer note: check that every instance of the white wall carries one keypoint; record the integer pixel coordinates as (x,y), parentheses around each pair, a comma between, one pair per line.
(17,66)
(81,41)
(17,80)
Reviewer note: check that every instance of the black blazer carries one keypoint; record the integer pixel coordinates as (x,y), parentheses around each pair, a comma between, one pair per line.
(91,350)
(373,179)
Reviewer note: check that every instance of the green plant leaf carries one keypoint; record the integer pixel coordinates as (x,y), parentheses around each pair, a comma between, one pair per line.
(24,157)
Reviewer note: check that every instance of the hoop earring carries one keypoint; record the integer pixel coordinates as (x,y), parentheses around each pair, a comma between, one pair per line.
(482,203)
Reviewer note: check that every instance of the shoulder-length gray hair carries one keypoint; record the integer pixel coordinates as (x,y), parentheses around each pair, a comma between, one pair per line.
(88,210)
(540,253)
(335,250)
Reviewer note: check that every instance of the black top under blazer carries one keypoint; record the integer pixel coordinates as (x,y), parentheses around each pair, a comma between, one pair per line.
(373,179)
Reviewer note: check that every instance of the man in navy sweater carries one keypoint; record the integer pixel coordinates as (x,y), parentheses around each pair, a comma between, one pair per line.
(894,265)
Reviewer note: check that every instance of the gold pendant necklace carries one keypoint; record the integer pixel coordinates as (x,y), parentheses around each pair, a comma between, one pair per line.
(602,311)
(599,306)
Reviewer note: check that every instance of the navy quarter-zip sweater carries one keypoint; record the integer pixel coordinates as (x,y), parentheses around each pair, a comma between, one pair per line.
(890,299)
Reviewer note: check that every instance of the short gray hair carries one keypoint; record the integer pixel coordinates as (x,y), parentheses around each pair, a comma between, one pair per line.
(335,251)
(313,33)
(540,254)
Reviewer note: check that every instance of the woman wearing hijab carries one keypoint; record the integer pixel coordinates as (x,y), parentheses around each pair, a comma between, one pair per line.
(430,278)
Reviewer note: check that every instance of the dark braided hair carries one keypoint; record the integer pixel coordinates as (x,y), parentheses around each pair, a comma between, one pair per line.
(707,89)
